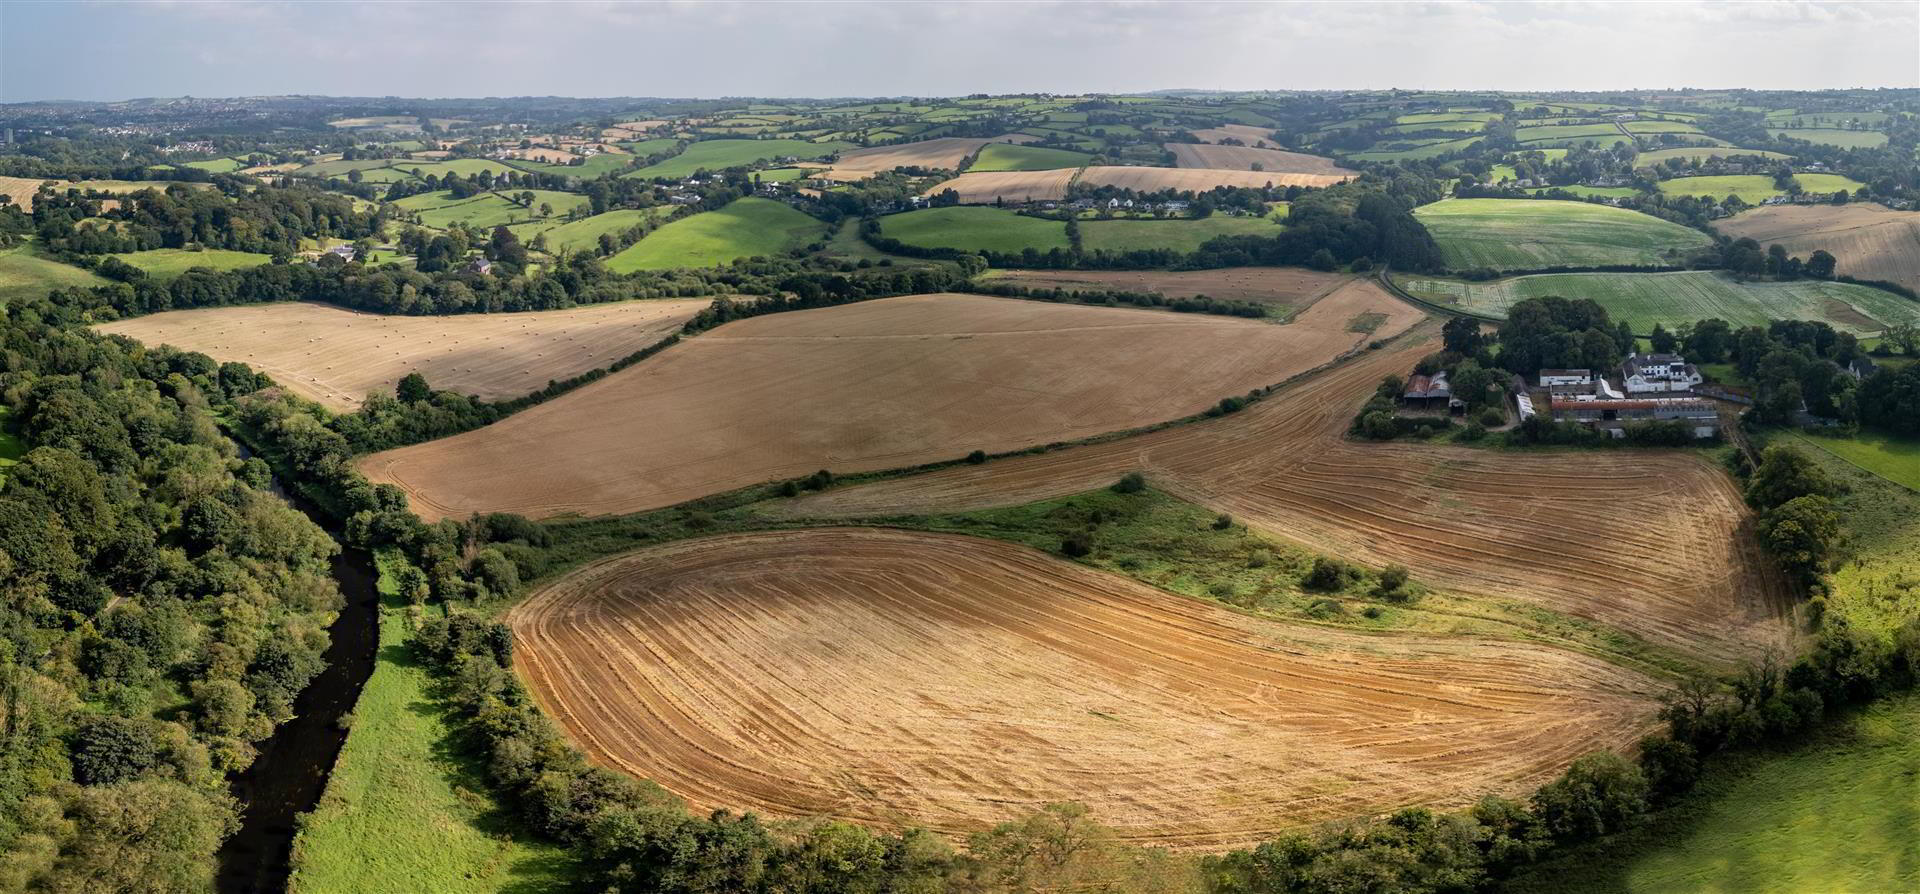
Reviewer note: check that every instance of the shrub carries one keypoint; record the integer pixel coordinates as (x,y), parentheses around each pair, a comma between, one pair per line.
(1259,558)
(789,488)
(1392,580)
(1326,575)
(977,457)
(1130,483)
(1222,522)
(1600,794)
(1492,417)
(1076,544)
(820,480)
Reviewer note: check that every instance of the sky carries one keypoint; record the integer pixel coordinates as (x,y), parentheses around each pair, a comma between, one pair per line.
(454,48)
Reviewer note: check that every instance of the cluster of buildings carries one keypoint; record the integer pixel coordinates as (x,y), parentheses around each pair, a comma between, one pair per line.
(1652,388)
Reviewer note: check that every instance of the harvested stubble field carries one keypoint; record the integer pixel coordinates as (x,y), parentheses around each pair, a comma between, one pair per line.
(1288,287)
(1869,241)
(1243,158)
(876,385)
(1656,543)
(902,679)
(1145,179)
(20,191)
(1245,133)
(943,152)
(984,187)
(336,356)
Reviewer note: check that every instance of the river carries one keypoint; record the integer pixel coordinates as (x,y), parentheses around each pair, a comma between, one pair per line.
(291,771)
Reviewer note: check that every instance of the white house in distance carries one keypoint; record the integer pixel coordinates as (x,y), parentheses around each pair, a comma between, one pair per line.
(1648,373)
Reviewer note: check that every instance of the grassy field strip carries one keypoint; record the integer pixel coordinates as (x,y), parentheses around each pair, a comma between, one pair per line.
(1893,458)
(1522,234)
(745,228)
(398,815)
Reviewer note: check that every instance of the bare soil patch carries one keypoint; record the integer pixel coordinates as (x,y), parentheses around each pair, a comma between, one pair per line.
(1277,286)
(1657,543)
(895,678)
(336,356)
(1148,179)
(1243,158)
(876,385)
(1869,241)
(984,187)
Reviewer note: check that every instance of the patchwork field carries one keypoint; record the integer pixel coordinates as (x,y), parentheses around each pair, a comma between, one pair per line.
(1288,287)
(745,228)
(941,152)
(1147,179)
(985,187)
(1011,157)
(24,273)
(1753,188)
(875,385)
(336,356)
(1519,234)
(1245,133)
(975,229)
(167,263)
(1869,241)
(896,678)
(1643,299)
(1681,569)
(1177,235)
(20,191)
(1244,158)
(584,234)
(715,155)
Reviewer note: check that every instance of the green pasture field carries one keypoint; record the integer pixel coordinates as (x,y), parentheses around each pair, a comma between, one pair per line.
(167,263)
(1835,815)
(780,175)
(584,234)
(1876,571)
(1011,157)
(1518,234)
(1894,458)
(594,166)
(465,167)
(1429,150)
(1753,188)
(1790,118)
(25,273)
(328,169)
(216,165)
(975,229)
(1832,136)
(488,210)
(1649,159)
(1643,299)
(1437,117)
(382,175)
(1604,134)
(714,155)
(1450,126)
(1610,192)
(1647,127)
(745,228)
(644,148)
(400,811)
(1179,235)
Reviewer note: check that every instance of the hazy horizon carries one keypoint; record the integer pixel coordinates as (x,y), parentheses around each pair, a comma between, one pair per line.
(850,49)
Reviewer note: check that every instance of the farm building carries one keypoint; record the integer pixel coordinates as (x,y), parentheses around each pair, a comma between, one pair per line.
(1861,367)
(1652,373)
(1612,416)
(1551,377)
(1426,389)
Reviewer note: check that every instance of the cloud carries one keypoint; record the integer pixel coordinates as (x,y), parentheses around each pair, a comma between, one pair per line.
(838,48)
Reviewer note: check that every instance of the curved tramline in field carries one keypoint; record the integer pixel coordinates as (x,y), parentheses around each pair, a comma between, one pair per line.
(877,385)
(1656,543)
(908,679)
(337,356)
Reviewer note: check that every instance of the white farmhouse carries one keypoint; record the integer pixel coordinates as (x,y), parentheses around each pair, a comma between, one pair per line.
(1647,373)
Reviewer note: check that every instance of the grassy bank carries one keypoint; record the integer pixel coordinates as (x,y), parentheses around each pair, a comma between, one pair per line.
(403,812)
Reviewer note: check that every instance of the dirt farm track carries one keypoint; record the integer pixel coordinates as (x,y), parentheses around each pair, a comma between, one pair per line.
(898,678)
(881,384)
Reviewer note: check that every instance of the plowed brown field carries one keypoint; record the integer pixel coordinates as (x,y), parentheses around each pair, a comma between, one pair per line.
(1869,241)
(895,679)
(983,187)
(1277,286)
(1243,158)
(1147,179)
(336,356)
(1653,542)
(876,385)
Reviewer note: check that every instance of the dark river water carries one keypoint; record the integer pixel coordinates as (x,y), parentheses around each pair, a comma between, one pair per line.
(287,778)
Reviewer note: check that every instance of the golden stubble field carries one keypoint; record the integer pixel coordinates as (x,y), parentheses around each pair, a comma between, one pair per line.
(984,187)
(1868,241)
(908,679)
(1243,158)
(1290,287)
(336,356)
(881,384)
(1146,179)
